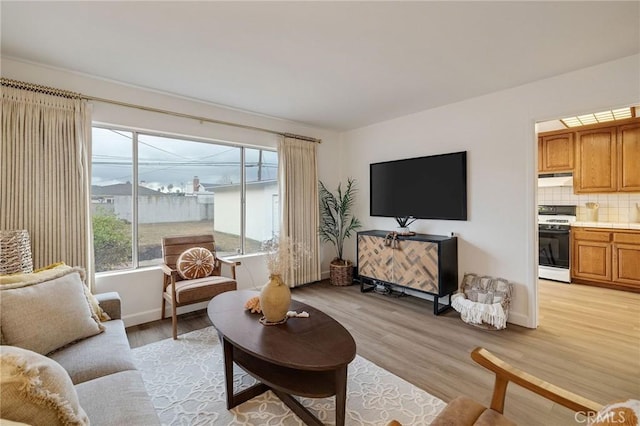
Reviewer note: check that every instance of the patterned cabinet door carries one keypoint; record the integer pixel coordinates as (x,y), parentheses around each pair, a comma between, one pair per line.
(374,258)
(416,265)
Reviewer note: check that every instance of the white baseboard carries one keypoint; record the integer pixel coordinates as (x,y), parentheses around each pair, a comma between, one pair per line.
(519,319)
(155,314)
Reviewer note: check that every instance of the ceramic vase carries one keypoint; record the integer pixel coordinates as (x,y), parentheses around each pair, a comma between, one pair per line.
(275,299)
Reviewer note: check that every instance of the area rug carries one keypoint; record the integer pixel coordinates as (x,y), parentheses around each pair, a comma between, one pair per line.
(185,379)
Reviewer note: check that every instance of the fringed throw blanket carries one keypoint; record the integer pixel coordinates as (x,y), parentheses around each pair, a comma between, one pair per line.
(478,313)
(483,300)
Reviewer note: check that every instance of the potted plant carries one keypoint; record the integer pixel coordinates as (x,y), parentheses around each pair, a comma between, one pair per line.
(337,223)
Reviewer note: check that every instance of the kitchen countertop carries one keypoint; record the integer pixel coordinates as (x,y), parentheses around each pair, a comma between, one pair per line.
(625,225)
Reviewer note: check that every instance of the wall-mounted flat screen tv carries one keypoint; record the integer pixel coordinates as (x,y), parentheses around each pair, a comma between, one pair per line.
(433,187)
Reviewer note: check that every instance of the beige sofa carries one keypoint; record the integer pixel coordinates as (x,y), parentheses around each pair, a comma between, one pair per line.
(110,388)
(52,312)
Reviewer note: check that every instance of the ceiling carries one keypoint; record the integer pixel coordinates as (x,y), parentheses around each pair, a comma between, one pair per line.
(336,65)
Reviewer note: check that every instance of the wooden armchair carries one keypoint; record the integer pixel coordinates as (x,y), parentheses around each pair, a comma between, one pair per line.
(179,291)
(464,411)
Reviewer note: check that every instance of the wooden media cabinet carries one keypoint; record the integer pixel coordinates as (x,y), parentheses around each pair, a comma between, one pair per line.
(421,262)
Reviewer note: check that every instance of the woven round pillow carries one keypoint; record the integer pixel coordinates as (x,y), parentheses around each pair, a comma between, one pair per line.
(197,262)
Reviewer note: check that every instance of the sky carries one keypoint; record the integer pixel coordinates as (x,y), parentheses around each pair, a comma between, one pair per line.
(167,161)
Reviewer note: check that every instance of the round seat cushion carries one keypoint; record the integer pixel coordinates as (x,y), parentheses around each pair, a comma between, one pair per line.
(197,262)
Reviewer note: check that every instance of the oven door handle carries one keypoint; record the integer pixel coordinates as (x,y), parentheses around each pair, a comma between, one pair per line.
(554,231)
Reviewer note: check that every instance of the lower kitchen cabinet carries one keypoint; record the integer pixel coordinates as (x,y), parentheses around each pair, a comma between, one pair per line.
(605,257)
(626,258)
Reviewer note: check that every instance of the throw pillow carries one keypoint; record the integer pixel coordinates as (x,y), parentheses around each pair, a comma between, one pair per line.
(47,273)
(197,262)
(46,316)
(625,413)
(37,390)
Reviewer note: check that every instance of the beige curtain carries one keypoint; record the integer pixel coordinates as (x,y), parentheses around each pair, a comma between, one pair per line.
(298,179)
(45,175)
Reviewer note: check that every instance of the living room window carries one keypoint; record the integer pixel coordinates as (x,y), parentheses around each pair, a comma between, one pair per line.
(184,186)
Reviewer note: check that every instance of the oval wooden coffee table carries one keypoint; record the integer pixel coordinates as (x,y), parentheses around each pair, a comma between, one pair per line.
(305,356)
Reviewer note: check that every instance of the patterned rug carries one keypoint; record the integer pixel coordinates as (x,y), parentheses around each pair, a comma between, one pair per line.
(185,379)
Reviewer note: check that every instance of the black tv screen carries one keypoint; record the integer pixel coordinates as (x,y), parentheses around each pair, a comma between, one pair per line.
(433,187)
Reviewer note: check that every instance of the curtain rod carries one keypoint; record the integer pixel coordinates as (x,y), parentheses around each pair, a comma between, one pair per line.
(39,89)
(73,95)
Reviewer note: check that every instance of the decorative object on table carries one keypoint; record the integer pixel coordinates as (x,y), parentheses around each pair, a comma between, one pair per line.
(403,225)
(483,301)
(253,305)
(592,211)
(391,240)
(282,256)
(337,223)
(294,314)
(275,299)
(15,252)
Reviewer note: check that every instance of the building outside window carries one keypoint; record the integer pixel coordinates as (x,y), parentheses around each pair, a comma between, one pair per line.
(184,187)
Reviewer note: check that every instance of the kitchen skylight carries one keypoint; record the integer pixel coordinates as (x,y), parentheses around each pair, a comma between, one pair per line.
(599,117)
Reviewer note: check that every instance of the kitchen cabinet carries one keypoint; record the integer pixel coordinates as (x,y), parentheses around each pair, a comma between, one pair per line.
(556,153)
(605,257)
(629,158)
(591,255)
(626,258)
(596,159)
(604,157)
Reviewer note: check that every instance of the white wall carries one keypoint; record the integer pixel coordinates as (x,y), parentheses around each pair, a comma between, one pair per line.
(498,131)
(141,290)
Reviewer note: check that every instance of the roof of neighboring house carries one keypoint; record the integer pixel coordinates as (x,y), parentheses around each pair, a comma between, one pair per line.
(122,189)
(235,186)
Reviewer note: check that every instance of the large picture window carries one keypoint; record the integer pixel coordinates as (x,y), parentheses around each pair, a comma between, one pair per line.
(184,187)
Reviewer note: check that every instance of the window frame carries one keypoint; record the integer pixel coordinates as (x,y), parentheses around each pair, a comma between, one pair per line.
(135,132)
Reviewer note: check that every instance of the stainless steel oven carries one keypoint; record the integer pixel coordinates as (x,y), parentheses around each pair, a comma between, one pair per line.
(554,242)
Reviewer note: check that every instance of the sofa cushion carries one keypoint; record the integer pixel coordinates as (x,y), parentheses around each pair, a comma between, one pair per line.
(460,411)
(190,291)
(117,399)
(5,422)
(621,413)
(106,353)
(36,390)
(493,418)
(464,411)
(197,262)
(55,270)
(48,315)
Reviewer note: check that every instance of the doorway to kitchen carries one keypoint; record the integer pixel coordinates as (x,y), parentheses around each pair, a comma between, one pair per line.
(588,201)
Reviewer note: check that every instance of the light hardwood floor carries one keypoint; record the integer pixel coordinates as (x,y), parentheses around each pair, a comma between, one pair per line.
(588,342)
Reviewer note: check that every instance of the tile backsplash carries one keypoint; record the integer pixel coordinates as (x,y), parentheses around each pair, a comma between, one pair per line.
(616,207)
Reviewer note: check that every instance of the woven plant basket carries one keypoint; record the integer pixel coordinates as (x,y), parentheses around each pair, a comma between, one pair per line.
(15,252)
(340,274)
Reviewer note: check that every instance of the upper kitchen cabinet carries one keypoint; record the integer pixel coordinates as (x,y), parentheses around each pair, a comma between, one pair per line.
(604,157)
(556,153)
(596,158)
(629,158)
